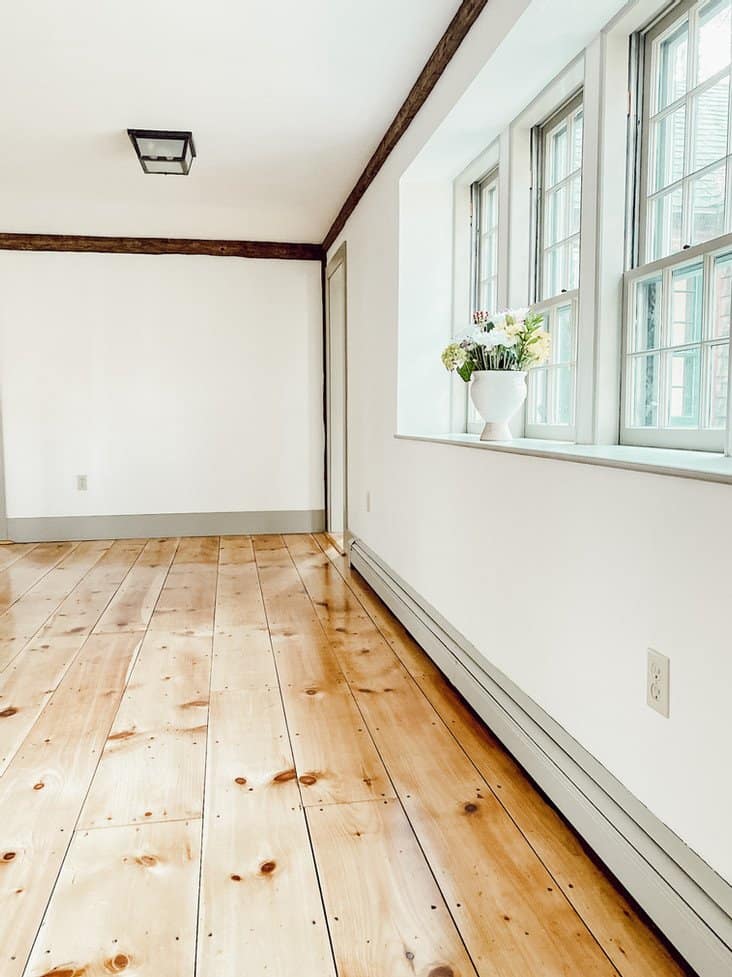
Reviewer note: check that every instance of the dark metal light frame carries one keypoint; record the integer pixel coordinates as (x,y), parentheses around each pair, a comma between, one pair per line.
(180,164)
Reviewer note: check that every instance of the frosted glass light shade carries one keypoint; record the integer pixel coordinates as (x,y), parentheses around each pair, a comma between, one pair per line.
(160,151)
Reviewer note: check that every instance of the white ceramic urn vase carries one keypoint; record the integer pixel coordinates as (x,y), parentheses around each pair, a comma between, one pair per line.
(497,395)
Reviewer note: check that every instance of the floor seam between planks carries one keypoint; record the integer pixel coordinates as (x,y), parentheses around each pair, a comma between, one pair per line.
(397,793)
(292,754)
(199,913)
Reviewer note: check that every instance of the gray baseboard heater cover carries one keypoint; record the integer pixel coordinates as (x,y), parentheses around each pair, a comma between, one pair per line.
(685,898)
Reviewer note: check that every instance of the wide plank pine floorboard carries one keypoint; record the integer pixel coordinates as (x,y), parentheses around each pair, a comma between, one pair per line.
(224,757)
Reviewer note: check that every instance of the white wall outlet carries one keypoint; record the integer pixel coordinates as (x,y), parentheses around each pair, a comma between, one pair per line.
(368,501)
(81,485)
(657,682)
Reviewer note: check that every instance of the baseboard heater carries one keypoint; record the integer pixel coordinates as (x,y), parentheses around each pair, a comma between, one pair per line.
(685,898)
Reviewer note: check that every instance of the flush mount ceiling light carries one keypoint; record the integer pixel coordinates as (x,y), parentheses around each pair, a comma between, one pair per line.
(163,152)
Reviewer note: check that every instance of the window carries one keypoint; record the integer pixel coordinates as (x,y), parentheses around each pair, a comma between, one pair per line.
(484,278)
(677,352)
(558,163)
(686,132)
(485,218)
(678,301)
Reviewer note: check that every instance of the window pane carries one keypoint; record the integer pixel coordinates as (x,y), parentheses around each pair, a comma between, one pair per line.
(687,288)
(709,135)
(575,204)
(644,391)
(683,388)
(718,371)
(664,224)
(577,132)
(554,271)
(489,210)
(538,378)
(574,263)
(556,215)
(713,51)
(561,328)
(558,155)
(707,205)
(722,297)
(487,297)
(647,314)
(488,255)
(563,377)
(672,59)
(668,149)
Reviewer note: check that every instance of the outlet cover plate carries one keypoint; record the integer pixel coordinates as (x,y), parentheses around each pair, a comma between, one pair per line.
(658,671)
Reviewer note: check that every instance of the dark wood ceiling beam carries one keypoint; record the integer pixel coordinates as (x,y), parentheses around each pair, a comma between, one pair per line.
(467,13)
(161,245)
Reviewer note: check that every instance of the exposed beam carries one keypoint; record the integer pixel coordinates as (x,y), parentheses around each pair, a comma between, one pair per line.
(161,245)
(466,15)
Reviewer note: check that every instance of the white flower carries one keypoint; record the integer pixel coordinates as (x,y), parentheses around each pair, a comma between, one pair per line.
(501,337)
(499,321)
(540,348)
(496,337)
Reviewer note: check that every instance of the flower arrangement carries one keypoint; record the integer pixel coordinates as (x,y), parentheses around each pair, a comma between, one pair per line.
(511,340)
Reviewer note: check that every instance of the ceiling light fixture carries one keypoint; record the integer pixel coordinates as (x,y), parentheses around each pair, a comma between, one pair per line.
(163,152)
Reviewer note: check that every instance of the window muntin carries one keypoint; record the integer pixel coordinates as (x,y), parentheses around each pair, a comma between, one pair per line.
(678,351)
(485,216)
(687,169)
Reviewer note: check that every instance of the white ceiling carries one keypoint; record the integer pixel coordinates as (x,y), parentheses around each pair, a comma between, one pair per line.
(286,102)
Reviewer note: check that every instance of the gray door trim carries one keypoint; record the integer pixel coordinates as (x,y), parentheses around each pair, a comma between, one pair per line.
(338,260)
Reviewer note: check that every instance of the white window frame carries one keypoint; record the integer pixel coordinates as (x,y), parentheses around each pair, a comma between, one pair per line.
(692,438)
(699,438)
(550,306)
(648,49)
(474,423)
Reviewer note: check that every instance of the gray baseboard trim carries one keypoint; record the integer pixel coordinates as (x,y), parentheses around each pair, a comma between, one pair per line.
(687,900)
(53,528)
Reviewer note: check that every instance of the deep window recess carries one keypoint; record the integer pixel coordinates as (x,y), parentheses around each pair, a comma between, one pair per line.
(558,182)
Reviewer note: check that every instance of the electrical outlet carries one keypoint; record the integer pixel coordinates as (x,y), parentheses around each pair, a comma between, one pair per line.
(657,682)
(81,485)
(368,502)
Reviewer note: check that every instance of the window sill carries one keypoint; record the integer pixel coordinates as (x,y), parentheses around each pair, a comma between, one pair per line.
(703,465)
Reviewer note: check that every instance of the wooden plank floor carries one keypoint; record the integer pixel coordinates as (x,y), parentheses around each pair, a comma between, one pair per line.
(225,757)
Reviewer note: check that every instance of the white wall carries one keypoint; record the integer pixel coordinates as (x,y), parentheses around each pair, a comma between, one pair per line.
(175,383)
(561,574)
